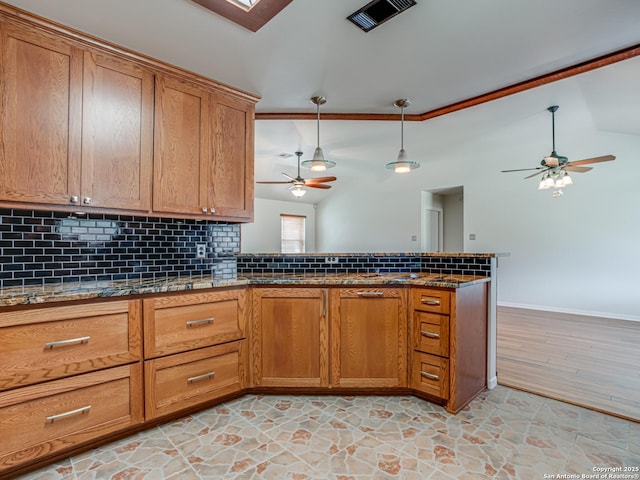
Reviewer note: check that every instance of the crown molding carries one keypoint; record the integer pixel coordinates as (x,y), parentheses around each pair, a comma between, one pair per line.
(583,67)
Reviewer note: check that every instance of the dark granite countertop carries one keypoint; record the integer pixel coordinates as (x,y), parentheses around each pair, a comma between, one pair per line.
(81,291)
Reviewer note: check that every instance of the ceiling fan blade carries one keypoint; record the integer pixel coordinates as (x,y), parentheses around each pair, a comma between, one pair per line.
(586,161)
(274,183)
(521,169)
(318,185)
(578,169)
(289,177)
(320,180)
(537,173)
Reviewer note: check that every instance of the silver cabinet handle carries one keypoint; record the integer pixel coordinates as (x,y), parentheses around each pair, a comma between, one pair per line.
(193,323)
(86,200)
(370,294)
(74,199)
(429,334)
(78,411)
(212,210)
(71,341)
(204,209)
(430,302)
(324,303)
(430,376)
(201,377)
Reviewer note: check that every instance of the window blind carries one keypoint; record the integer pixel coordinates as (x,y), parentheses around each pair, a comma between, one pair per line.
(292,239)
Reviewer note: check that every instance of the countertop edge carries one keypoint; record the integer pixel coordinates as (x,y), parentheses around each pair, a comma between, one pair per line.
(74,292)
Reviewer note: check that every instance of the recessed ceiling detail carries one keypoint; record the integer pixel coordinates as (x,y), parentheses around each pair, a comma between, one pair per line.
(250,14)
(375,13)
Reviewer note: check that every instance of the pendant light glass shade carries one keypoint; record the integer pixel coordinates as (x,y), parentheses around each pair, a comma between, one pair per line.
(318,162)
(298,191)
(402,164)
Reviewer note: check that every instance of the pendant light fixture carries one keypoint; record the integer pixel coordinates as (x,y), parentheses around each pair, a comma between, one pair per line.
(318,163)
(402,164)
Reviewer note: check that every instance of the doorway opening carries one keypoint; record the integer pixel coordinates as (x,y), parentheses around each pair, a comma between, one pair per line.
(443,220)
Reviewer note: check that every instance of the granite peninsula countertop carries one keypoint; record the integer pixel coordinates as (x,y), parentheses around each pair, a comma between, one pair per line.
(88,290)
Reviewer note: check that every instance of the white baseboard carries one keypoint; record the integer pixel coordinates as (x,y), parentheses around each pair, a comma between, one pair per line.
(616,316)
(492,383)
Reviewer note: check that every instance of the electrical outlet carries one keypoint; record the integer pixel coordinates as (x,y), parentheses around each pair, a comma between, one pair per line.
(331,260)
(201,250)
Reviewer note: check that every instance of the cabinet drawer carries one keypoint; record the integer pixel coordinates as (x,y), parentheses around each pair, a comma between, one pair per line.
(187,379)
(430,374)
(431,333)
(50,343)
(185,322)
(436,301)
(53,416)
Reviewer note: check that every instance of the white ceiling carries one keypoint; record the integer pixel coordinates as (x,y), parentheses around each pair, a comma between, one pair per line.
(435,54)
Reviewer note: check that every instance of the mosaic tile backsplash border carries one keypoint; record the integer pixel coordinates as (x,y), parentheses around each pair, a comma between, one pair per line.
(462,264)
(41,247)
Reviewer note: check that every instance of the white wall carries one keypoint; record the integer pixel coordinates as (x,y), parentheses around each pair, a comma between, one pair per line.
(577,253)
(453,206)
(263,236)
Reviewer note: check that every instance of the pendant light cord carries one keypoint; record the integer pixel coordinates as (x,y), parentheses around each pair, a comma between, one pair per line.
(318,124)
(553,130)
(402,127)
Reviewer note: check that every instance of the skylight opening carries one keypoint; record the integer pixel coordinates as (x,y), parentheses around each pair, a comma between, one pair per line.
(245,4)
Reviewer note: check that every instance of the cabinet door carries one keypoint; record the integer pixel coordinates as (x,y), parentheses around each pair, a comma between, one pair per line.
(368,337)
(117,133)
(291,337)
(231,169)
(41,90)
(181,147)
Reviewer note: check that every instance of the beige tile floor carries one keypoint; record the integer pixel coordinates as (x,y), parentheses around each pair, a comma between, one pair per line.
(502,434)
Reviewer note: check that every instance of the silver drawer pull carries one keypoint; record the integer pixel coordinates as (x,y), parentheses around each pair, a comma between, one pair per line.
(78,411)
(193,323)
(430,302)
(201,377)
(370,294)
(430,376)
(429,334)
(71,341)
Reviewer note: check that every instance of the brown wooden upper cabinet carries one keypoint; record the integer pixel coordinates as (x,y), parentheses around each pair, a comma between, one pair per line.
(86,126)
(203,152)
(76,124)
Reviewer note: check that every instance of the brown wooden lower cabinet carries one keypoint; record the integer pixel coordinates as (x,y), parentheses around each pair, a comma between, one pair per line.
(368,337)
(449,337)
(47,418)
(290,337)
(186,379)
(431,341)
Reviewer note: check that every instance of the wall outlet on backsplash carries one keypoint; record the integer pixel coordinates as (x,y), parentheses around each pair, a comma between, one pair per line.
(331,260)
(201,250)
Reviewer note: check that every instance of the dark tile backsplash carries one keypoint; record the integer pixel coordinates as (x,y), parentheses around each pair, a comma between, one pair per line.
(38,247)
(400,263)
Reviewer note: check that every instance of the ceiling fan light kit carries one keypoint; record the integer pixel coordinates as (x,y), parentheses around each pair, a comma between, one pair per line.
(402,164)
(318,162)
(555,168)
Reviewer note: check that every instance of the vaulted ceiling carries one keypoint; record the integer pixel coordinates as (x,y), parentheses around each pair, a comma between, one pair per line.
(436,53)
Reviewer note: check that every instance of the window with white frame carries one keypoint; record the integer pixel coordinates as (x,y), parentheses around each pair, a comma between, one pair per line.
(292,238)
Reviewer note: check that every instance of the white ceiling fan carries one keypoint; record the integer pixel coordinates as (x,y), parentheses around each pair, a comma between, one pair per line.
(554,168)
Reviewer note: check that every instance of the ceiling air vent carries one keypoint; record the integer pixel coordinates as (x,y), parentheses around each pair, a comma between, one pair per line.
(377,12)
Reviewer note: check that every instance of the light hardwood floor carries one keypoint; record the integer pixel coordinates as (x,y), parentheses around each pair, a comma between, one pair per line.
(588,361)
